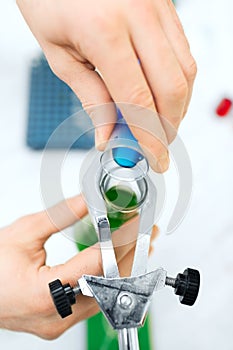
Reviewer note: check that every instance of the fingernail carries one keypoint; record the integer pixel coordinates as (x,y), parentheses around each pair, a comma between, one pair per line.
(100,143)
(163,163)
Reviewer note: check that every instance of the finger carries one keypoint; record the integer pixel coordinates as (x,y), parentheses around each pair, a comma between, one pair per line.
(176,18)
(125,237)
(89,261)
(127,85)
(126,263)
(38,227)
(87,84)
(161,67)
(175,34)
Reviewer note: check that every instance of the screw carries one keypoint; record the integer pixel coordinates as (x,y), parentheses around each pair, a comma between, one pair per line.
(125,301)
(77,290)
(170,282)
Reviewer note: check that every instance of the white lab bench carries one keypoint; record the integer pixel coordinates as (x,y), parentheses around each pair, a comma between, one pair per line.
(205,237)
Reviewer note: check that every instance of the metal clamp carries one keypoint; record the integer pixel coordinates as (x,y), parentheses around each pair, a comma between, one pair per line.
(124,301)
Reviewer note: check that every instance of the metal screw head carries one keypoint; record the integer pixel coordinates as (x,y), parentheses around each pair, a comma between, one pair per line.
(125,301)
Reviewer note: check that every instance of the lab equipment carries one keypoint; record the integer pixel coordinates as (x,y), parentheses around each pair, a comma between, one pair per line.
(122,169)
(99,333)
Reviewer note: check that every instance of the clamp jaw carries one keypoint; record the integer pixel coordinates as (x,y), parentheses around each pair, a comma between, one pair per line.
(124,301)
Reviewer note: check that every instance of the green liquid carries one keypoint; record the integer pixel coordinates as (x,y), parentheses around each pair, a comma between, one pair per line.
(121,203)
(121,197)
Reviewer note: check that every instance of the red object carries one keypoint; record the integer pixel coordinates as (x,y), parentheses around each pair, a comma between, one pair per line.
(224,107)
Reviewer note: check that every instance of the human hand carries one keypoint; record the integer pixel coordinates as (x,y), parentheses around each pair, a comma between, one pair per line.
(78,36)
(25,301)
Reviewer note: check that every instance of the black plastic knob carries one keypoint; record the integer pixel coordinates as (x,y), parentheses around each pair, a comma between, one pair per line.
(187,286)
(63,297)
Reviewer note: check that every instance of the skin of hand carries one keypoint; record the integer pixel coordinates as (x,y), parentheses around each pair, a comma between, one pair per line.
(96,46)
(25,301)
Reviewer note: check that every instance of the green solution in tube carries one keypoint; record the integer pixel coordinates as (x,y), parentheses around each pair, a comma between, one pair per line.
(100,335)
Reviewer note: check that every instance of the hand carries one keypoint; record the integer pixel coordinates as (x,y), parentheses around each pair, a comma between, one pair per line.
(25,301)
(78,36)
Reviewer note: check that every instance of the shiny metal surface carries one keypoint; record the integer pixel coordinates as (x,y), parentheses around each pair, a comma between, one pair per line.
(146,223)
(128,339)
(124,301)
(110,267)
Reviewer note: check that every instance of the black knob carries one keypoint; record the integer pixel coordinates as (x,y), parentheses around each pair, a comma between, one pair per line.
(63,297)
(187,286)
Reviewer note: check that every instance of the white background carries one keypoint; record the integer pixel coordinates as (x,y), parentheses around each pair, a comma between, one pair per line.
(205,237)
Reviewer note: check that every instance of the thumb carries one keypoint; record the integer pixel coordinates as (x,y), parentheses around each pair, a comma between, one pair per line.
(90,88)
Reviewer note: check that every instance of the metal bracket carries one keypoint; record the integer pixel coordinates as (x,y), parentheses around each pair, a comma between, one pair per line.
(124,301)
